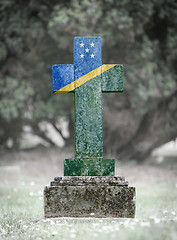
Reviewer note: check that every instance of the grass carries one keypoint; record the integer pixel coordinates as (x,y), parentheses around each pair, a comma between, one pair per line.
(21,216)
(21,206)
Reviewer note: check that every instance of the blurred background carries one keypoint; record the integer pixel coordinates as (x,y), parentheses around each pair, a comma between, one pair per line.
(139,34)
(37,126)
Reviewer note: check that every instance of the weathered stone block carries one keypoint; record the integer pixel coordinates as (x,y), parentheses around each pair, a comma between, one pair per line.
(83,196)
(89,167)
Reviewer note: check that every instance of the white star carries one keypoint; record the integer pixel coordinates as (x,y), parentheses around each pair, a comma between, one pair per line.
(81,45)
(87,50)
(82,55)
(92,44)
(92,55)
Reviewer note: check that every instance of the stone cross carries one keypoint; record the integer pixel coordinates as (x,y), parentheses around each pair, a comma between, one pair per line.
(87,78)
(88,187)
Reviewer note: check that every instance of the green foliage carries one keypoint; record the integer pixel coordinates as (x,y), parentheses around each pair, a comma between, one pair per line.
(36,34)
(15,95)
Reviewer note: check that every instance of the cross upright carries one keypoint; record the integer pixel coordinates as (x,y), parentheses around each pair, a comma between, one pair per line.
(87,78)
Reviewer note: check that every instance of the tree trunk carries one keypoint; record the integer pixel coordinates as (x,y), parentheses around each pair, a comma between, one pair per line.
(156,127)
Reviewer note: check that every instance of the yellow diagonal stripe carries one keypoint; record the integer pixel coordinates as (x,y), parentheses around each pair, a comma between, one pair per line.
(85,78)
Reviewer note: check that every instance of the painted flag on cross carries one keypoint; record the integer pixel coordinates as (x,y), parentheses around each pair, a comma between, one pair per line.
(87,55)
(87,65)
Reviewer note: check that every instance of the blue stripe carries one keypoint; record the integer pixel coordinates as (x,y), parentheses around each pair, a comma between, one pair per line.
(84,65)
(63,74)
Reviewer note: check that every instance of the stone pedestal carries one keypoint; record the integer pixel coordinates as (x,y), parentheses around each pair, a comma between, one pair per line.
(87,196)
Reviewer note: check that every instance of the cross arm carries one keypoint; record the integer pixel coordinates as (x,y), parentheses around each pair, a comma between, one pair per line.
(63,77)
(112,80)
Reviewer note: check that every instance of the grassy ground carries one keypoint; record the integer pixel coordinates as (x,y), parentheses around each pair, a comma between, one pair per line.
(21,204)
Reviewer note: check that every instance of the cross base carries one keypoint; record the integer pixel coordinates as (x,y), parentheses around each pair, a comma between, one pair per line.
(89,197)
(89,167)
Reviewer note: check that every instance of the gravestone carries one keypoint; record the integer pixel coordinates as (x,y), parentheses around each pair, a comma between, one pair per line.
(88,187)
